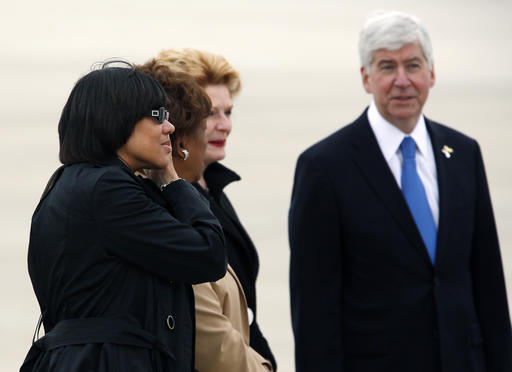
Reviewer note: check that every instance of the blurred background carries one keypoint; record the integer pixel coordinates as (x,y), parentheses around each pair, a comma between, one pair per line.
(300,72)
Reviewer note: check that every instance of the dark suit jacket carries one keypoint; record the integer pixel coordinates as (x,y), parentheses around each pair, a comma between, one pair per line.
(112,268)
(242,254)
(364,294)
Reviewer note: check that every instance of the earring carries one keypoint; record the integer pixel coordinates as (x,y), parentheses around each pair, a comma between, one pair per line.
(185,153)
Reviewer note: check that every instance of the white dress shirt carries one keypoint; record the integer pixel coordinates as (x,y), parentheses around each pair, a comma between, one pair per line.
(389,139)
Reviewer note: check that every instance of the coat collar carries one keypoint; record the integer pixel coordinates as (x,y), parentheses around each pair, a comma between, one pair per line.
(217,177)
(115,161)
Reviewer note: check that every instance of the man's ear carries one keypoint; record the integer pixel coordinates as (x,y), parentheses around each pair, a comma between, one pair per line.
(432,76)
(366,80)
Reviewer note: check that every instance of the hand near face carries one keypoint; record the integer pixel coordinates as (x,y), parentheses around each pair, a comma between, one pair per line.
(164,175)
(149,146)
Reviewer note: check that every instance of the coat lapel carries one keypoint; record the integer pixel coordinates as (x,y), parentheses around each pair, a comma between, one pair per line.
(243,303)
(375,170)
(447,185)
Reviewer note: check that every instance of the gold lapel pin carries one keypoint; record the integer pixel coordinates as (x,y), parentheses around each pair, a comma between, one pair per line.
(447,151)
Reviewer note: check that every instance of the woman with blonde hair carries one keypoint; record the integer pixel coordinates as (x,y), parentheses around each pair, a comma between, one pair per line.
(228,337)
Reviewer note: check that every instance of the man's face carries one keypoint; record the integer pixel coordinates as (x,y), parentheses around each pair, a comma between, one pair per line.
(399,81)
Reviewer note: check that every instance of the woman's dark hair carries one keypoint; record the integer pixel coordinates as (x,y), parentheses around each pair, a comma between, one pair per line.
(188,104)
(102,110)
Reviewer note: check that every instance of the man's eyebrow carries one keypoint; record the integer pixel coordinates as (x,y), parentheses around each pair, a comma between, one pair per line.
(413,59)
(383,61)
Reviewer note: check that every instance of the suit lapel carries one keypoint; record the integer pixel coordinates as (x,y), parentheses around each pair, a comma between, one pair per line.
(375,170)
(447,185)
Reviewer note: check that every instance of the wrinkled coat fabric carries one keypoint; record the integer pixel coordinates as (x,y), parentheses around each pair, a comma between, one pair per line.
(112,268)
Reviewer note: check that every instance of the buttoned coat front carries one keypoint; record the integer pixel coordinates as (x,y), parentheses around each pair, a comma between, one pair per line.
(364,293)
(112,270)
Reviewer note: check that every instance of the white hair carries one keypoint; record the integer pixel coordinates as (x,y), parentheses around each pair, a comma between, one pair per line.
(391,31)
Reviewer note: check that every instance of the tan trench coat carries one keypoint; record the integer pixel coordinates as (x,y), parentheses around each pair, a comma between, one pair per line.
(222,328)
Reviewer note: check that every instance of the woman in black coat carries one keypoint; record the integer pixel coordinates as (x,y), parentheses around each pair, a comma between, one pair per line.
(221,82)
(111,268)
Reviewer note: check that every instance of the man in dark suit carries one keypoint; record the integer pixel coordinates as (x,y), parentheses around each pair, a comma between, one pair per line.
(395,262)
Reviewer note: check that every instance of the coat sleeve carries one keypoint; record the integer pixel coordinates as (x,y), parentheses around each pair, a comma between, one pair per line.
(219,345)
(182,243)
(315,270)
(488,280)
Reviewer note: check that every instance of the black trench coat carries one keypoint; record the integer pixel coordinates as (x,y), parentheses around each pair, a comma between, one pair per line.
(112,269)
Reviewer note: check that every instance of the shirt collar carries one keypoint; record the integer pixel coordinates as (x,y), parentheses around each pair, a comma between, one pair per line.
(389,137)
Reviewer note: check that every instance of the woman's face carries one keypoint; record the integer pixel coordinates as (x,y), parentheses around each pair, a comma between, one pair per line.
(149,145)
(218,123)
(195,143)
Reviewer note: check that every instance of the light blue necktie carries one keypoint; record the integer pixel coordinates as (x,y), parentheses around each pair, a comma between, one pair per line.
(414,194)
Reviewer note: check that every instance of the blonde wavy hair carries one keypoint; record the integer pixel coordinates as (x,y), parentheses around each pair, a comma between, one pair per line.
(205,67)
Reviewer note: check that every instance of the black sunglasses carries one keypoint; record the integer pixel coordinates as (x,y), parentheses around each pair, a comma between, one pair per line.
(161,114)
